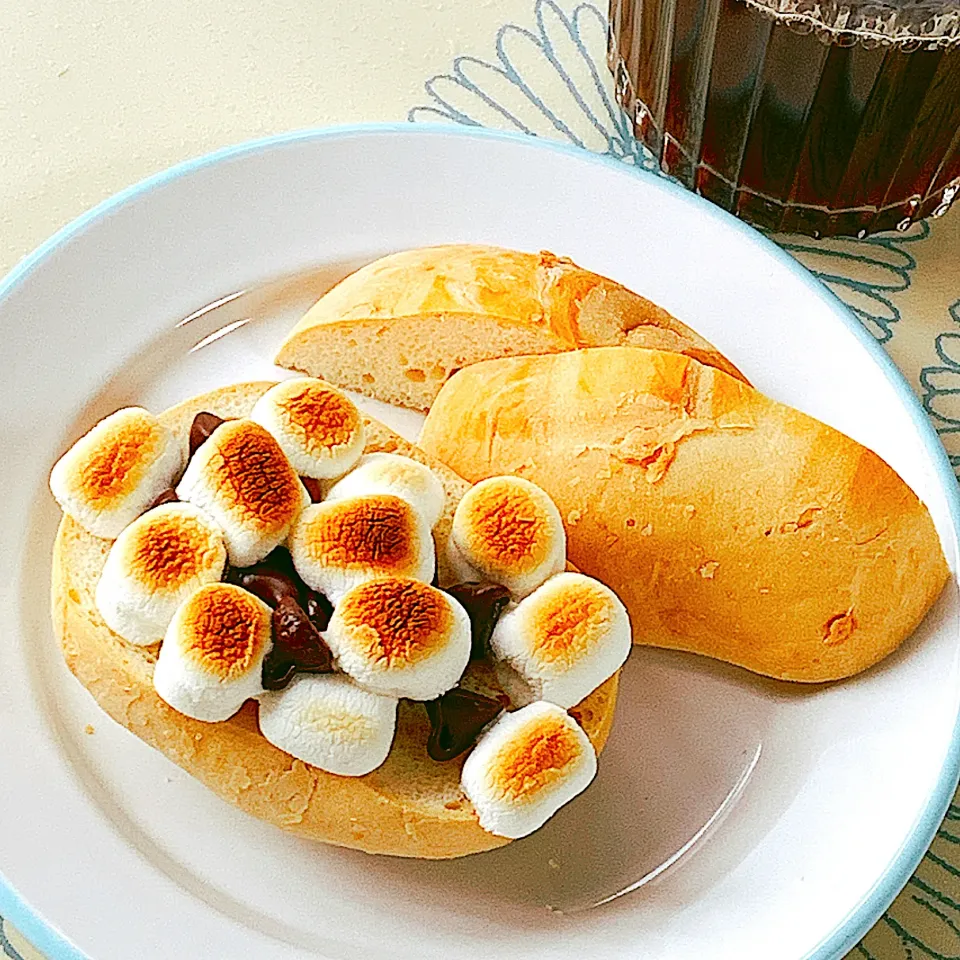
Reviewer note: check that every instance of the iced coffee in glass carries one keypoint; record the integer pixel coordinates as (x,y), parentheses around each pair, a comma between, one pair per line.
(807,116)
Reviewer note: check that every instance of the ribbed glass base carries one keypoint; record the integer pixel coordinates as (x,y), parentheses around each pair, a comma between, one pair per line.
(802,116)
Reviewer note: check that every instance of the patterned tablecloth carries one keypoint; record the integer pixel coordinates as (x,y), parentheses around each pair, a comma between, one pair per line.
(542,73)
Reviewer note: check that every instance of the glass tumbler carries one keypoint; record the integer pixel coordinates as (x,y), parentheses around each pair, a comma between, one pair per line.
(811,116)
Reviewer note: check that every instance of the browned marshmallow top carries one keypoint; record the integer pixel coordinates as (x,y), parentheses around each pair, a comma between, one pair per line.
(396,621)
(378,531)
(319,417)
(534,759)
(223,630)
(251,475)
(128,444)
(565,628)
(507,529)
(169,549)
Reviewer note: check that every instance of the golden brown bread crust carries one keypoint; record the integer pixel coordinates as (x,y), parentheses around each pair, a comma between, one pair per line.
(541,302)
(730,525)
(411,806)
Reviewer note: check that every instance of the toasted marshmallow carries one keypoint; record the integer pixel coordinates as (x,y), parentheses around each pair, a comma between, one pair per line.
(506,529)
(154,565)
(400,637)
(565,638)
(318,428)
(403,477)
(241,479)
(337,545)
(114,472)
(525,767)
(212,654)
(326,720)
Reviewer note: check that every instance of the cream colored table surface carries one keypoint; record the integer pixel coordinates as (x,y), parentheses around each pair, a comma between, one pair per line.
(97,94)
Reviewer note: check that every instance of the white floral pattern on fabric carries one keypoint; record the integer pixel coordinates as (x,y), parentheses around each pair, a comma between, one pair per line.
(552,82)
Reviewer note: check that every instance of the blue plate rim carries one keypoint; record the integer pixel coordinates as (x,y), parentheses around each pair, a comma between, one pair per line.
(862,917)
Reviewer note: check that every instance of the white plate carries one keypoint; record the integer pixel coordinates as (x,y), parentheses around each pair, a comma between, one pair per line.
(753,819)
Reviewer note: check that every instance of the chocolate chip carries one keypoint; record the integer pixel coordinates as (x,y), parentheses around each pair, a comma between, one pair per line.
(270,587)
(319,609)
(314,488)
(484,602)
(203,425)
(456,720)
(297,647)
(280,560)
(271,579)
(168,496)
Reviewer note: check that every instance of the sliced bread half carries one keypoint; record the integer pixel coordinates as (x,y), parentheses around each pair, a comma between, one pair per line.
(399,327)
(411,806)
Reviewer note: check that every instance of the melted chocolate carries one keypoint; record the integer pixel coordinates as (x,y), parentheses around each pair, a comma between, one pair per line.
(203,425)
(314,488)
(456,720)
(484,602)
(168,496)
(319,609)
(271,579)
(271,587)
(297,647)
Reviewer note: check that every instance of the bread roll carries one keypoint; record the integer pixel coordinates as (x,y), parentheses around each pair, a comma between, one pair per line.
(411,806)
(400,326)
(729,524)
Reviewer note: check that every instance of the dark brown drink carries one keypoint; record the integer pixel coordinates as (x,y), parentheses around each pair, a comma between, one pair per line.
(805,116)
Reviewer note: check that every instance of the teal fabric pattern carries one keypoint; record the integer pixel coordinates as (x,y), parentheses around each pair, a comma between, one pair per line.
(930,894)
(558,56)
(9,950)
(863,273)
(941,389)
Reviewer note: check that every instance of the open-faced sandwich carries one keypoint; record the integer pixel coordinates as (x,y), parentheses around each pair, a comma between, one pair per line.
(329,628)
(333,630)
